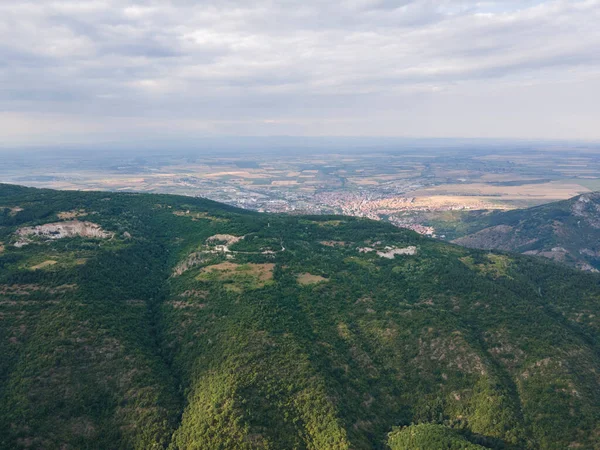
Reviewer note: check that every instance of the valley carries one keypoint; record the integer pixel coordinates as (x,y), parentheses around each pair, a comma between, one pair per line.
(394,182)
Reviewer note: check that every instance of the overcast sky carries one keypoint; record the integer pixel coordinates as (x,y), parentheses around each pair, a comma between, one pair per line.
(113,70)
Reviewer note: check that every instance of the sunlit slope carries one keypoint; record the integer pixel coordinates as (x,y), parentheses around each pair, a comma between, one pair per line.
(190,324)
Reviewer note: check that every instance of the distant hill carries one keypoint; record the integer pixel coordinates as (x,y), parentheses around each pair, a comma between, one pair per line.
(566,231)
(136,321)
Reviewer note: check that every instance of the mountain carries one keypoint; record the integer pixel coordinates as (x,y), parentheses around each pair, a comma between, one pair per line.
(567,231)
(138,321)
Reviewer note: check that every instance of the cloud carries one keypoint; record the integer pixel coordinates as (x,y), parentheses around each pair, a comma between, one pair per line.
(357,66)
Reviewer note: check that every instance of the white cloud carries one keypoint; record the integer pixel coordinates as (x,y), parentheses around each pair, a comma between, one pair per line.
(307,67)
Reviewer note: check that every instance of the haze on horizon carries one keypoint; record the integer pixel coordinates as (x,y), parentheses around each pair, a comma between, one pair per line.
(110,71)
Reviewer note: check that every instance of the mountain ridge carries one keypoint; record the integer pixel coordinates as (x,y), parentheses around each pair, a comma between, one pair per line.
(566,231)
(191,324)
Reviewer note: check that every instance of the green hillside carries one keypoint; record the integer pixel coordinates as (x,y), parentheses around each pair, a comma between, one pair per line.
(567,231)
(134,321)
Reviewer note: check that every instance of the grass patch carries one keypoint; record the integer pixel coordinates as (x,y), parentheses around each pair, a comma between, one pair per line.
(333,243)
(494,265)
(42,265)
(331,223)
(308,278)
(238,277)
(52,261)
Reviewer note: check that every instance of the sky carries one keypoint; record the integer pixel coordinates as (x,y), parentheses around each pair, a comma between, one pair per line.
(123,71)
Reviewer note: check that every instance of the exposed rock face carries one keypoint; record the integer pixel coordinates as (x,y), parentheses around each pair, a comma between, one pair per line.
(228,238)
(556,253)
(193,260)
(59,230)
(587,206)
(588,252)
(390,252)
(567,232)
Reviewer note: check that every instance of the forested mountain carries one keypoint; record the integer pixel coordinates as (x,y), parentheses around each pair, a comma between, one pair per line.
(135,321)
(567,231)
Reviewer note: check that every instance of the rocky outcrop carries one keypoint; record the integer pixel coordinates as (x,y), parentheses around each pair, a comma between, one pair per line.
(59,230)
(567,232)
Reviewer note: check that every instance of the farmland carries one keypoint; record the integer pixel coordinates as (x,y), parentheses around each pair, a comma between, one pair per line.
(398,184)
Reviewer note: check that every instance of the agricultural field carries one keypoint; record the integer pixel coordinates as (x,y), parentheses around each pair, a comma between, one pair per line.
(396,184)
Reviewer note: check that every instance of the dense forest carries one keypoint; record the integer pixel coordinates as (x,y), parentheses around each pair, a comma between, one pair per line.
(138,321)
